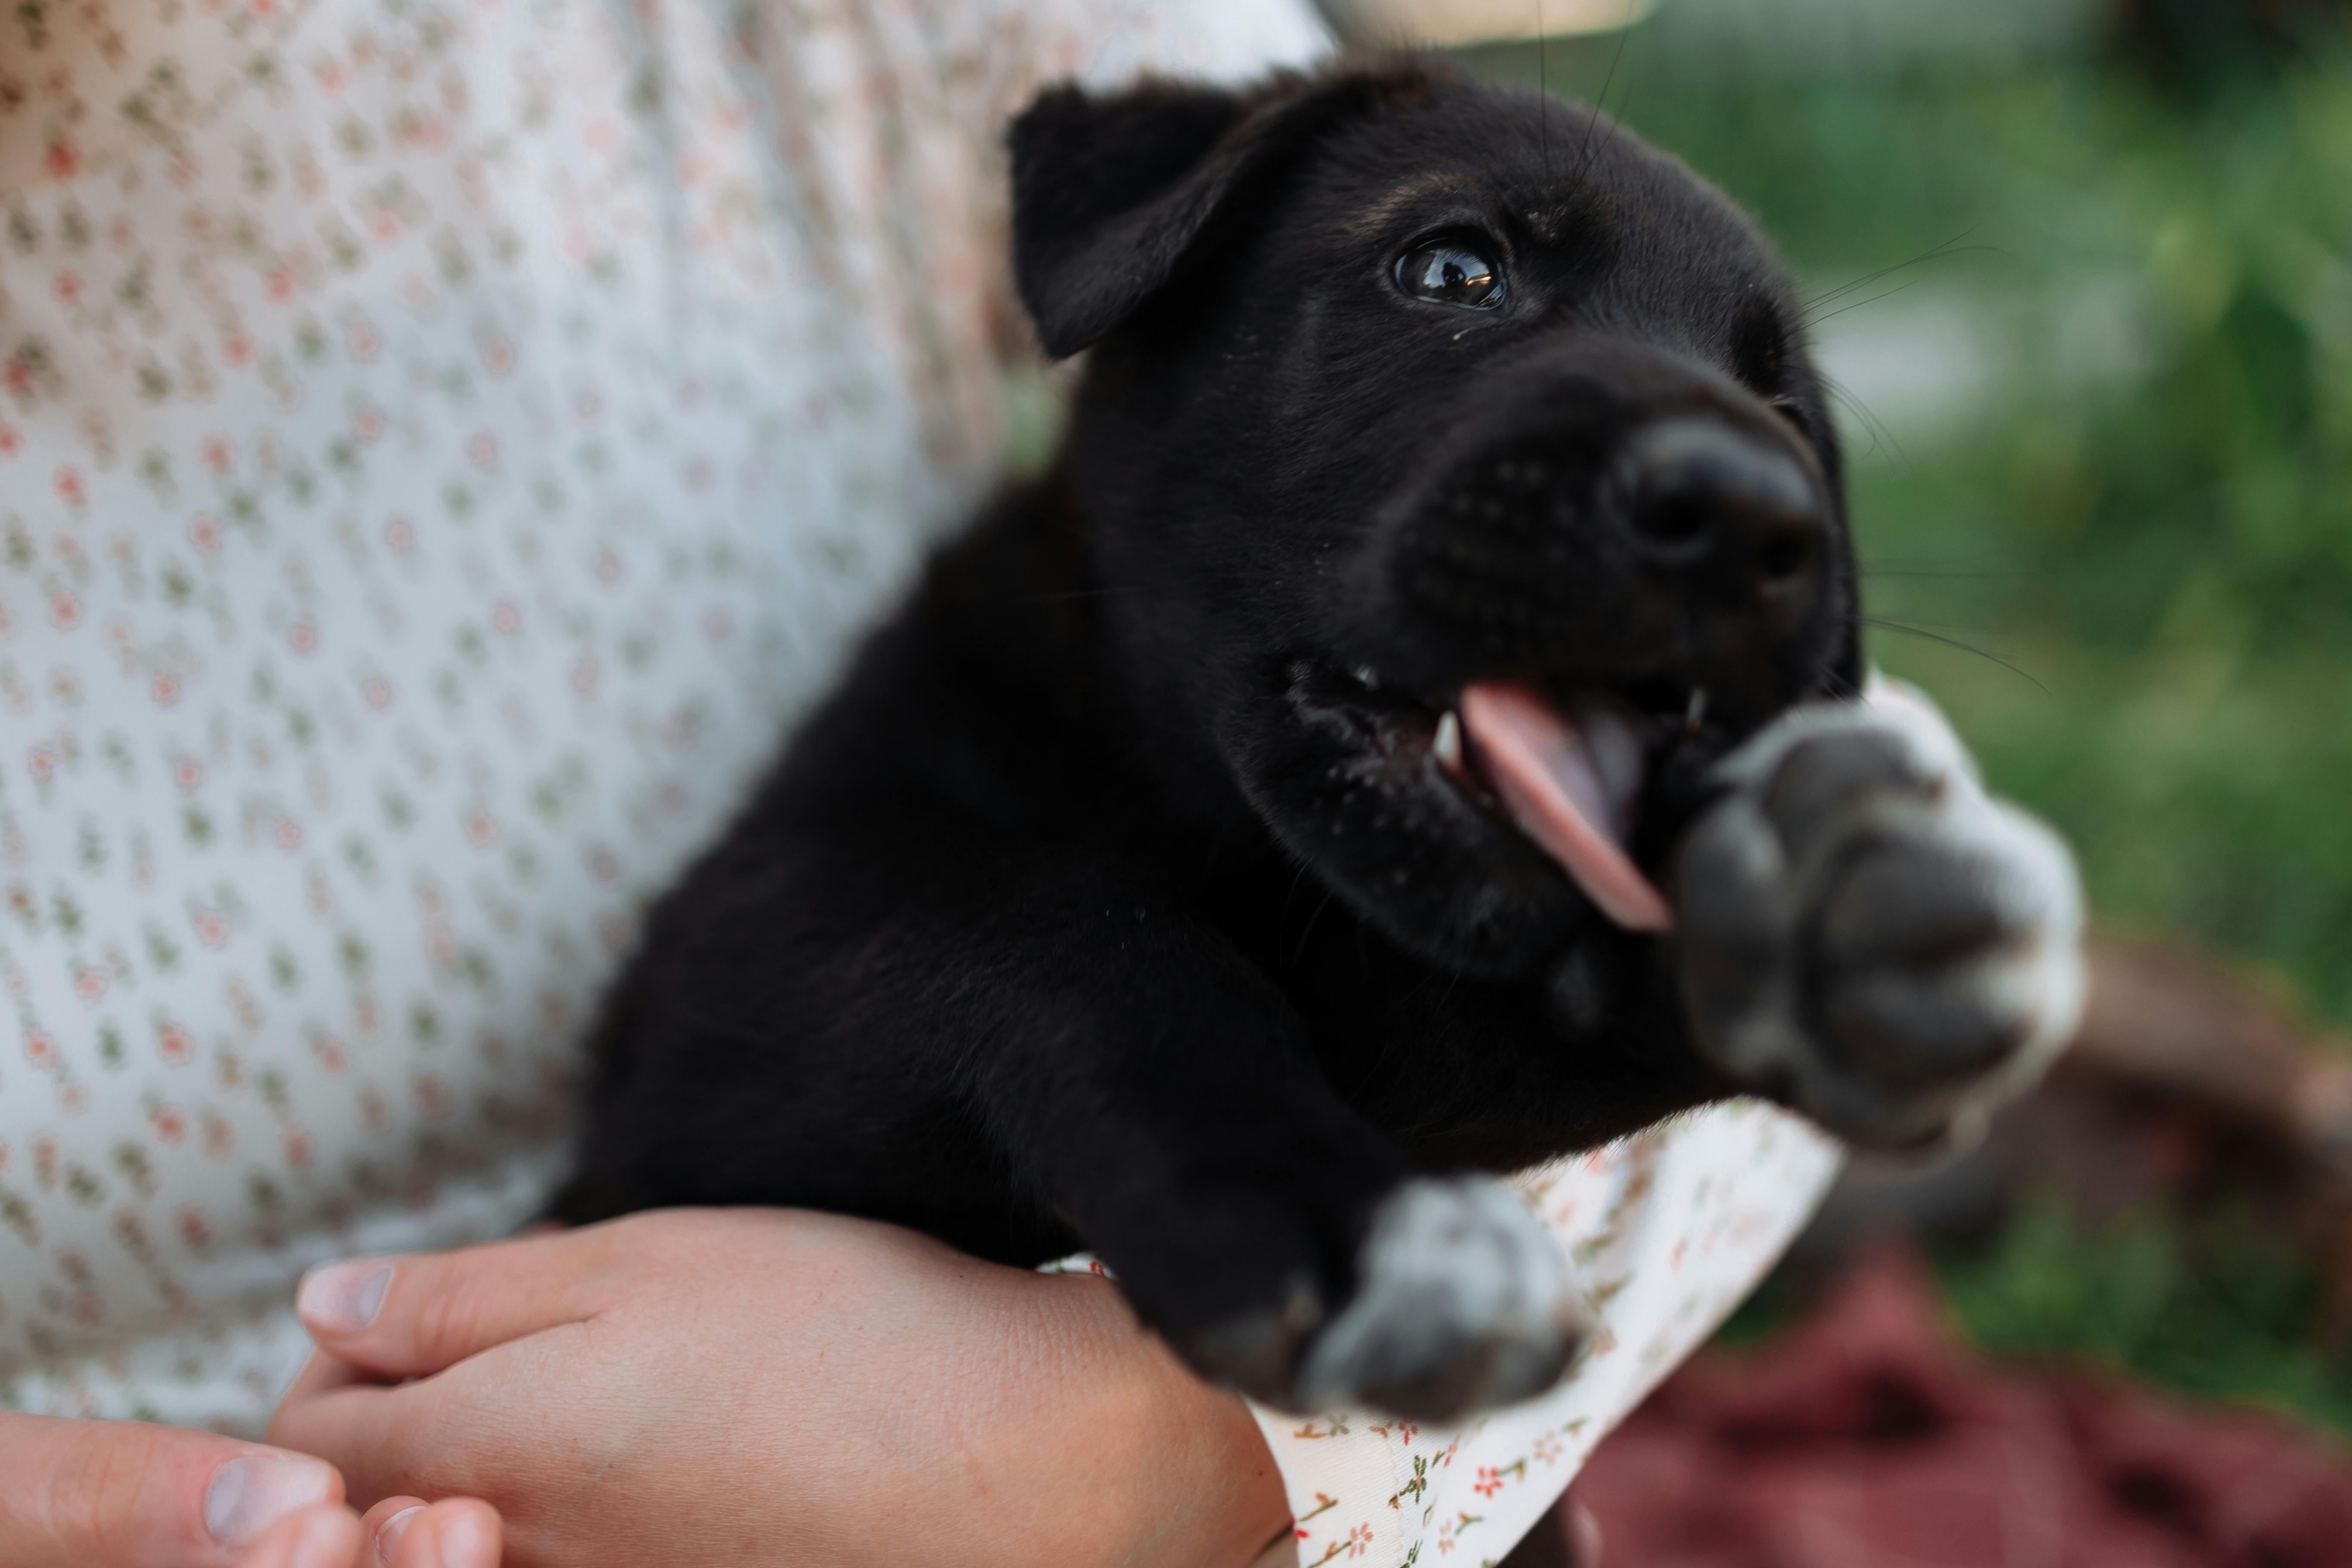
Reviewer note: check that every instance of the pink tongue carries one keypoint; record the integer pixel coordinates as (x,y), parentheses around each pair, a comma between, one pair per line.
(1545,770)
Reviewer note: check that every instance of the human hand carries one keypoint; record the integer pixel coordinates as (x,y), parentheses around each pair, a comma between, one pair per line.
(131,1494)
(398,1532)
(747,1386)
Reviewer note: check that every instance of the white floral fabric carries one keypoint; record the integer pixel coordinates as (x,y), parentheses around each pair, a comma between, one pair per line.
(443,445)
(1671,1229)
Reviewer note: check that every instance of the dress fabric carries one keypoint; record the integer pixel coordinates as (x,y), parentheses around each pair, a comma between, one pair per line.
(1670,1230)
(443,445)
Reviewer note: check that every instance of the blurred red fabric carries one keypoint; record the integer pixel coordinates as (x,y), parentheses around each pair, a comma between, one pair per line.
(1868,1437)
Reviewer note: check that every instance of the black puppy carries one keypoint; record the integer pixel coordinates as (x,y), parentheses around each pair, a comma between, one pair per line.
(1238,837)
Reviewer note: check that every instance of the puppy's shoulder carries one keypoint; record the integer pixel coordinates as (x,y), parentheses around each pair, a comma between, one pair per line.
(973,695)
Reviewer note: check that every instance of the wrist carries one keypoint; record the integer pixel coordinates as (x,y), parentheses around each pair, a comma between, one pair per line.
(1180,1476)
(1210,1491)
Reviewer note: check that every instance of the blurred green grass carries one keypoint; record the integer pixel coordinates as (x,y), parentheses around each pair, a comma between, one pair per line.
(2137,515)
(2214,1305)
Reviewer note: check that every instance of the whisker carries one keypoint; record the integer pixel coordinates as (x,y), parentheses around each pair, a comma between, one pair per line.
(1871,421)
(1811,320)
(1882,624)
(1300,951)
(1944,251)
(1913,622)
(1618,54)
(1543,88)
(1293,893)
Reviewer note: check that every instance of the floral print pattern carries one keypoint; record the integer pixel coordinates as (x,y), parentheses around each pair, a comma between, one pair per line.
(442,444)
(1671,1228)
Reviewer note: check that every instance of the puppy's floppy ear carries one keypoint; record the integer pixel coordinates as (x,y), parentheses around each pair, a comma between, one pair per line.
(1109,192)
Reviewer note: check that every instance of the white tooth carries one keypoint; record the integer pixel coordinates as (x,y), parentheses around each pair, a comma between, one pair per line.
(1367,677)
(1448,744)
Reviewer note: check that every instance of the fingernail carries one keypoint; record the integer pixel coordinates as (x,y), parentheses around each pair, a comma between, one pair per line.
(343,1296)
(469,1541)
(388,1533)
(253,1491)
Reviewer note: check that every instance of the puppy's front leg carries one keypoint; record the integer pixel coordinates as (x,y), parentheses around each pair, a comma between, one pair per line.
(1156,1091)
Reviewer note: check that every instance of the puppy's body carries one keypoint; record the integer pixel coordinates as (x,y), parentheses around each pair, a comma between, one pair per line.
(1136,891)
(962,877)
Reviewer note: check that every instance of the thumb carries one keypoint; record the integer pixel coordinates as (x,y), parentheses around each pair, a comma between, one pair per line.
(127,1494)
(414,1316)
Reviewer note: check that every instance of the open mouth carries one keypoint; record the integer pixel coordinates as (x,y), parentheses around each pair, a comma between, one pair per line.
(1569,771)
(1569,777)
(1584,770)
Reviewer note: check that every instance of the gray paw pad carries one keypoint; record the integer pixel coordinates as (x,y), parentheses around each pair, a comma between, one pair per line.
(1868,935)
(1464,1302)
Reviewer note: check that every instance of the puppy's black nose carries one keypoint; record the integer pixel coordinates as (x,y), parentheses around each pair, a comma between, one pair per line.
(1727,506)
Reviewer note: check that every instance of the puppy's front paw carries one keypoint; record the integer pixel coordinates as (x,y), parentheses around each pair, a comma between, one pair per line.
(1462,1302)
(1868,936)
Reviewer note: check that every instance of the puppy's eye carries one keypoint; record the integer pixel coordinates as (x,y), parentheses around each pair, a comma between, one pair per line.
(1452,272)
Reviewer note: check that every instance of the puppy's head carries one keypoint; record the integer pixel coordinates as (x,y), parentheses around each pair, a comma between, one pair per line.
(1456,474)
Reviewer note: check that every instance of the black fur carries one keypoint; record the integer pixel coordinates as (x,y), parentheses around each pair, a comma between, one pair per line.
(1106,905)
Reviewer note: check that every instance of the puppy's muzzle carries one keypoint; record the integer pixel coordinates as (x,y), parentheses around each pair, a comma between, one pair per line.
(1609,516)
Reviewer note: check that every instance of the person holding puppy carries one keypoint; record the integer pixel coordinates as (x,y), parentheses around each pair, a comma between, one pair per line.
(441,450)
